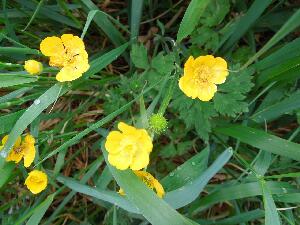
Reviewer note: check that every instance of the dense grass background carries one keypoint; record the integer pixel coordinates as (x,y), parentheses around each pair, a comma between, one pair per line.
(234,160)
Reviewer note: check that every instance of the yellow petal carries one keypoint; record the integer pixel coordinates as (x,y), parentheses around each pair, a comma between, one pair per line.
(207,92)
(159,189)
(112,144)
(140,160)
(57,61)
(145,140)
(68,74)
(81,62)
(36,181)
(204,60)
(121,161)
(52,46)
(29,154)
(189,66)
(220,71)
(126,128)
(188,87)
(73,44)
(15,156)
(4,139)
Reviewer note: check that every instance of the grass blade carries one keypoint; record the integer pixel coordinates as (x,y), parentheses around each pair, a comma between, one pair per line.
(135,18)
(262,140)
(31,113)
(256,9)
(40,211)
(271,215)
(108,196)
(191,18)
(155,210)
(188,193)
(7,80)
(288,27)
(274,111)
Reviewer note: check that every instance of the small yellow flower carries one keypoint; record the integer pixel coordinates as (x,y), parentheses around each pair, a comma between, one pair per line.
(36,181)
(129,148)
(67,53)
(150,181)
(201,76)
(33,67)
(22,149)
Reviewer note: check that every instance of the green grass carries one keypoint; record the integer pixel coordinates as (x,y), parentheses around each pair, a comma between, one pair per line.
(232,160)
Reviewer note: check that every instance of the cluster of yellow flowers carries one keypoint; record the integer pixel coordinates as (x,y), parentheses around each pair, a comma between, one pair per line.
(130,147)
(25,149)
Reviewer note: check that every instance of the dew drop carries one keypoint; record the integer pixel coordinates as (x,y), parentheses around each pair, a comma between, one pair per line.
(3,154)
(284,190)
(179,168)
(193,164)
(270,139)
(37,101)
(171,174)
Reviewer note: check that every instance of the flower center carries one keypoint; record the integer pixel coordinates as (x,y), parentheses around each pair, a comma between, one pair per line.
(202,74)
(18,150)
(36,180)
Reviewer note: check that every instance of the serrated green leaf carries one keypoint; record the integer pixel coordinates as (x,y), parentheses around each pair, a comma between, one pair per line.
(229,98)
(139,56)
(195,114)
(205,37)
(164,64)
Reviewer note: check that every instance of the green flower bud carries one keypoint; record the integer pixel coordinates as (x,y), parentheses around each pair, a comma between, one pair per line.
(158,123)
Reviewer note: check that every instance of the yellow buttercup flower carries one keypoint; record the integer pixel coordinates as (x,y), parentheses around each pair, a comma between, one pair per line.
(129,148)
(36,181)
(33,67)
(150,181)
(201,76)
(67,53)
(22,149)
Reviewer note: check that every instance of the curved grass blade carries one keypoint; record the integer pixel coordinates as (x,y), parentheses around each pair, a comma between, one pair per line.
(187,172)
(14,94)
(31,113)
(191,18)
(7,80)
(154,209)
(239,191)
(274,111)
(256,9)
(188,193)
(16,50)
(36,11)
(40,211)
(262,140)
(135,18)
(108,196)
(102,61)
(6,169)
(288,27)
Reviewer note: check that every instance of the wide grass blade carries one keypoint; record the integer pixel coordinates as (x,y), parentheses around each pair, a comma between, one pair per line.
(189,192)
(239,191)
(186,172)
(262,140)
(108,196)
(40,211)
(7,80)
(274,111)
(154,209)
(191,18)
(31,113)
(271,214)
(104,23)
(135,17)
